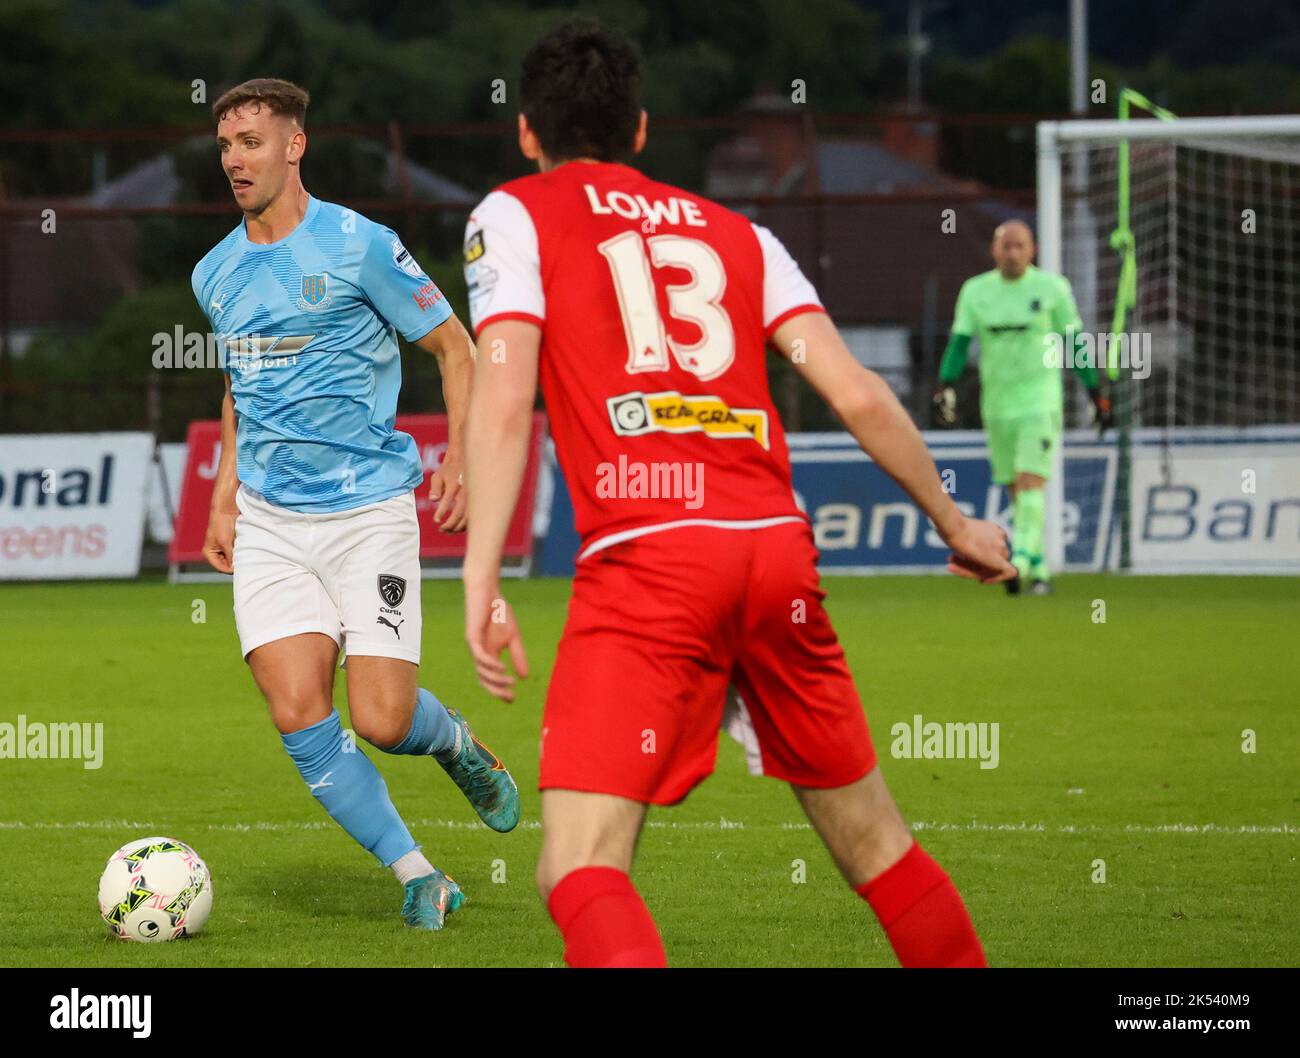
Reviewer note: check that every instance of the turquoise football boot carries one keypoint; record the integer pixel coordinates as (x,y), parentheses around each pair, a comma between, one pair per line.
(482,778)
(430,899)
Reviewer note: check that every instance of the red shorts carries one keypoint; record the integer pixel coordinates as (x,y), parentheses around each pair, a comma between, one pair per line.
(659,626)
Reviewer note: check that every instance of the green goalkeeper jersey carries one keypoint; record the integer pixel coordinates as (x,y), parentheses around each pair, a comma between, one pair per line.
(1012,318)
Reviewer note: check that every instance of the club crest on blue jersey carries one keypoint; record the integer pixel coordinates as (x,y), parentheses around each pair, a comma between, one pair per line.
(315,291)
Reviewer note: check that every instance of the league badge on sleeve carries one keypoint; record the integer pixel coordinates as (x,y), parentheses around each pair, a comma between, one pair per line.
(479,277)
(402,259)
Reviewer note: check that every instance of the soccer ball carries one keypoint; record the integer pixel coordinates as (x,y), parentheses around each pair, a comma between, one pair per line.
(155,889)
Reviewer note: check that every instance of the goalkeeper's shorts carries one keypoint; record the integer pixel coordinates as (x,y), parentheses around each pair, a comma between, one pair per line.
(1024,445)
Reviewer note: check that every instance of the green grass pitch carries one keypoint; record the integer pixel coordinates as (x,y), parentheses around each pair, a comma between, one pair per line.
(1120,742)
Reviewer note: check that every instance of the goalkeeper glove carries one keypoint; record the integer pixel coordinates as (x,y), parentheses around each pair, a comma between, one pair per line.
(1101,413)
(943,408)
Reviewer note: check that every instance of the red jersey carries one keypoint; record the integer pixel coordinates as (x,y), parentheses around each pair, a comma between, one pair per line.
(655,306)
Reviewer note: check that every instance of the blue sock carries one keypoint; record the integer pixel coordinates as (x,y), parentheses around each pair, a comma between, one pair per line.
(349,788)
(432,731)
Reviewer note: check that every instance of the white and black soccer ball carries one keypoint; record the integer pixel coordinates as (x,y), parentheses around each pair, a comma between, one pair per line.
(155,889)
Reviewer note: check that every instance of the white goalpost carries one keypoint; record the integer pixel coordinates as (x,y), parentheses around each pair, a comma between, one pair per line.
(1181,239)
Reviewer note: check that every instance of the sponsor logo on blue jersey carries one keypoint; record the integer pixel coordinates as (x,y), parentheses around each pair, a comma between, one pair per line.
(311,325)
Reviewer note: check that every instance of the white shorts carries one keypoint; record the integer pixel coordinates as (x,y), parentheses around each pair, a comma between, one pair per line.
(351,575)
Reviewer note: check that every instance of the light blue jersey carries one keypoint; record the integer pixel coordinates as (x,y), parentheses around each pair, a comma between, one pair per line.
(309,325)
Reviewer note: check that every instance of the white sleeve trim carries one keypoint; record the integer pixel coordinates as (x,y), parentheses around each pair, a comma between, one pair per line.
(784,286)
(502,261)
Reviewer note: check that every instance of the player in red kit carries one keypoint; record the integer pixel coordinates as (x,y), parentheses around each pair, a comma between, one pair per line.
(646,310)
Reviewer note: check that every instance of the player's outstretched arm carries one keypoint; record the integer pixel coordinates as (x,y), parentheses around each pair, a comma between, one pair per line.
(496,453)
(453,348)
(219,543)
(872,414)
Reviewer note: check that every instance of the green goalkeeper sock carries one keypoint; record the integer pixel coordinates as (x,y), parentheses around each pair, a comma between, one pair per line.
(1027,523)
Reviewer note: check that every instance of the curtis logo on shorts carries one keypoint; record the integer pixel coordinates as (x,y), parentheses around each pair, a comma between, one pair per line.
(391,589)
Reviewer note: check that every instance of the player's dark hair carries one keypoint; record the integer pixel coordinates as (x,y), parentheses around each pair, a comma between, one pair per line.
(280,97)
(581,92)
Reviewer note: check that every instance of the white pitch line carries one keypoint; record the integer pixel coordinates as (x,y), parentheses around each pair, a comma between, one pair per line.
(1128,828)
(718,824)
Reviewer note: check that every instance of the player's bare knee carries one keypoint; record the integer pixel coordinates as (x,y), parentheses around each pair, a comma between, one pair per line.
(381,698)
(382,727)
(1029,481)
(294,709)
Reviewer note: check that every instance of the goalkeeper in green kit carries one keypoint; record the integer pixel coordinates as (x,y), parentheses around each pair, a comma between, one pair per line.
(1014,310)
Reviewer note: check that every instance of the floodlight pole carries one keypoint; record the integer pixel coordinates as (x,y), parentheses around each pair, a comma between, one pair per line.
(915,49)
(1078,56)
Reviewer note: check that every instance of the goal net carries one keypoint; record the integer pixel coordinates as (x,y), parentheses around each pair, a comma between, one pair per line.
(1190,228)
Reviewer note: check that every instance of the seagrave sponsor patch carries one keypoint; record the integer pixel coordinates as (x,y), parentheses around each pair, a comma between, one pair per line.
(634,414)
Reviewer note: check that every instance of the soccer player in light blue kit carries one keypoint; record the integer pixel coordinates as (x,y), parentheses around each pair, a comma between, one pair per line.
(313,509)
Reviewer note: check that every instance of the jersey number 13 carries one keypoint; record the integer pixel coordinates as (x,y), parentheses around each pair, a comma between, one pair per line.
(697,301)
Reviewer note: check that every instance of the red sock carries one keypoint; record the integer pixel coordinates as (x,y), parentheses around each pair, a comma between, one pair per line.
(922,913)
(604,921)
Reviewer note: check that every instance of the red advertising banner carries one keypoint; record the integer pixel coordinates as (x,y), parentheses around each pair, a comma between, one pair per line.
(202,453)
(430,433)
